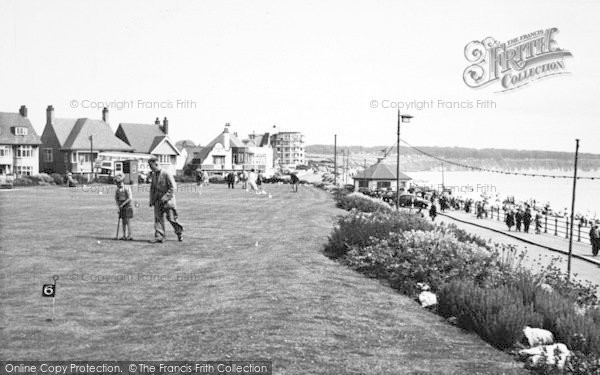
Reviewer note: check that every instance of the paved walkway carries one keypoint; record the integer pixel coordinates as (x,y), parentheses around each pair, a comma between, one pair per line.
(560,244)
(540,247)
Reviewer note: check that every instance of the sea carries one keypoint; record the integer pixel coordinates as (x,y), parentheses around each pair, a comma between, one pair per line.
(556,191)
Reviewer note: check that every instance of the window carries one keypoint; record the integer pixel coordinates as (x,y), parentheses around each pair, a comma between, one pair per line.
(24,151)
(383,184)
(363,183)
(48,157)
(19,130)
(24,170)
(164,159)
(218,160)
(5,151)
(73,157)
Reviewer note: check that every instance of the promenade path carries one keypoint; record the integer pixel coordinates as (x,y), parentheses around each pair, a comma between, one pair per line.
(546,245)
(249,281)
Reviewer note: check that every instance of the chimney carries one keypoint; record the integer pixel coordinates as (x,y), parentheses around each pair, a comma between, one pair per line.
(165,127)
(50,115)
(226,136)
(23,111)
(157,121)
(105,115)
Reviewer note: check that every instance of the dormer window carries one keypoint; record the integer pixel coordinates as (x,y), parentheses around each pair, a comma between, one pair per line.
(20,130)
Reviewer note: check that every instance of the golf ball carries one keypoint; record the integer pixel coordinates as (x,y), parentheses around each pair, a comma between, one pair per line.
(98,241)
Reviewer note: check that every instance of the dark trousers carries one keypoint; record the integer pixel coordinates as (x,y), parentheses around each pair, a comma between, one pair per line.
(230,185)
(159,220)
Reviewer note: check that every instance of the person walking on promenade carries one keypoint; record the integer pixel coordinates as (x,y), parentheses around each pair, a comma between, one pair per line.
(433,211)
(510,219)
(123,198)
(162,198)
(595,238)
(230,180)
(526,220)
(518,219)
(538,222)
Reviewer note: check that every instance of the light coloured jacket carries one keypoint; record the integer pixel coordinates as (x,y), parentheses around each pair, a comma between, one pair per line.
(162,189)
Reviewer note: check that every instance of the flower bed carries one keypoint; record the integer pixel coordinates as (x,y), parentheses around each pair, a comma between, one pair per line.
(483,287)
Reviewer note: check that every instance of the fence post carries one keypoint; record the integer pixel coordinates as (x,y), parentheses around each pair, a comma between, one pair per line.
(556,226)
(545,223)
(567,228)
(498,214)
(579,231)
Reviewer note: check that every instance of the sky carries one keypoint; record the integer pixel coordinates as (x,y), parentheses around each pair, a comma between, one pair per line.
(318,67)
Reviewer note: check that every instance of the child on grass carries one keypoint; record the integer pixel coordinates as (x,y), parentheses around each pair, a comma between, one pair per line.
(123,200)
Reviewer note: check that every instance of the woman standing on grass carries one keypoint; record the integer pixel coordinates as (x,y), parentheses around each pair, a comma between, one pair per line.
(123,200)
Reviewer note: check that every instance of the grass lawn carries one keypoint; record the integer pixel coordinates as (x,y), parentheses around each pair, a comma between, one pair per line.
(249,281)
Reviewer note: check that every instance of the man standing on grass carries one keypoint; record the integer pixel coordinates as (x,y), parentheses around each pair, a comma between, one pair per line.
(295,181)
(162,197)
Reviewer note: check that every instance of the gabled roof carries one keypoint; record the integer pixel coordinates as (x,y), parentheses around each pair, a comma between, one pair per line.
(103,137)
(142,137)
(7,135)
(63,127)
(380,171)
(233,142)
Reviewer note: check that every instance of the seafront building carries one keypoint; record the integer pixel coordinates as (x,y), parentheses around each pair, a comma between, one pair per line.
(19,144)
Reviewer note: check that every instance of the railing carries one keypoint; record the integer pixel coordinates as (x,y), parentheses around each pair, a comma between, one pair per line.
(557,226)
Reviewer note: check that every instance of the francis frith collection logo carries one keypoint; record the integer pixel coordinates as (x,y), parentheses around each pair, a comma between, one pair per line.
(514,63)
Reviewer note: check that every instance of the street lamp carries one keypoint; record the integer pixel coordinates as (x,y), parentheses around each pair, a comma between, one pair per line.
(401,118)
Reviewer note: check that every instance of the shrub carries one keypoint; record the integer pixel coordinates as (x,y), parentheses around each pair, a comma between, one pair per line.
(433,258)
(362,229)
(42,179)
(23,181)
(491,313)
(360,202)
(58,179)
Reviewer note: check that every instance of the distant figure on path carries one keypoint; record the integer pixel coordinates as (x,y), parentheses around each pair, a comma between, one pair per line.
(518,219)
(595,238)
(526,220)
(205,179)
(433,212)
(162,198)
(510,219)
(538,222)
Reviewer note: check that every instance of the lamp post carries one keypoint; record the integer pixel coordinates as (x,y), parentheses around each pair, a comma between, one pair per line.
(91,158)
(401,118)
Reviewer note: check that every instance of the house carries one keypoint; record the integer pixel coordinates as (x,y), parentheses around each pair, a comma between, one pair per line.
(261,153)
(73,145)
(380,176)
(19,144)
(224,153)
(151,139)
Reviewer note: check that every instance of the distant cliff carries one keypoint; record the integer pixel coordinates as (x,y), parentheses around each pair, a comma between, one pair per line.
(501,159)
